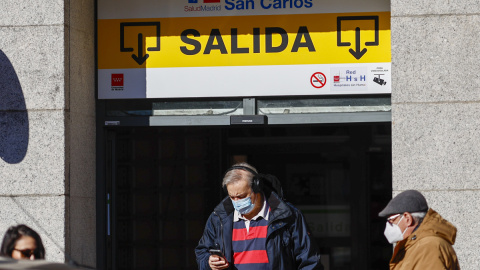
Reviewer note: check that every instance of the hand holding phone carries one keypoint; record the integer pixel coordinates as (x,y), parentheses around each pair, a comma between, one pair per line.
(217,252)
(217,260)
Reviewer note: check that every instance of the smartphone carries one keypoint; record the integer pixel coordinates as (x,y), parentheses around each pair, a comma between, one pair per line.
(217,252)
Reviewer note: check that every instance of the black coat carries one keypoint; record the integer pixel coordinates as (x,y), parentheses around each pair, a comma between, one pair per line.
(288,245)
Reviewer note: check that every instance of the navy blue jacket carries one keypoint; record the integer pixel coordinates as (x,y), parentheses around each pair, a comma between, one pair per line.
(289,245)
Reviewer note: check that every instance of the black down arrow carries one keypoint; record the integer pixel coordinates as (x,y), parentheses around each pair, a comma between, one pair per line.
(140,59)
(357,53)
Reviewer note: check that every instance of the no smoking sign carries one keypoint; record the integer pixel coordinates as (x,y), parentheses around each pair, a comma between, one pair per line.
(318,80)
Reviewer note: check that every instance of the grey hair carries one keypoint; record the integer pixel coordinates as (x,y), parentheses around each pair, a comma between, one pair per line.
(418,216)
(238,174)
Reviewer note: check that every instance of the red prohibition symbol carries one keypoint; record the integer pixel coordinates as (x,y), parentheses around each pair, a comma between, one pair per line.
(318,80)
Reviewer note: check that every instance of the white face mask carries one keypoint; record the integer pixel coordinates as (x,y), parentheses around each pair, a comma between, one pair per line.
(393,233)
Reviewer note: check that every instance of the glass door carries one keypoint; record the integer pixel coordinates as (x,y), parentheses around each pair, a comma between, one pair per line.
(161,195)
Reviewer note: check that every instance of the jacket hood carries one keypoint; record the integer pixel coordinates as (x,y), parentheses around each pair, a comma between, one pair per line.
(433,225)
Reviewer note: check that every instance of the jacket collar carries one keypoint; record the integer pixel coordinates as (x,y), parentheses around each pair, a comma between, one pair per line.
(279,209)
(432,225)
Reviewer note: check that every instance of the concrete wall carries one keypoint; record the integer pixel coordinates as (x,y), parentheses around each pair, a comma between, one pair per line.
(47,124)
(81,133)
(435,108)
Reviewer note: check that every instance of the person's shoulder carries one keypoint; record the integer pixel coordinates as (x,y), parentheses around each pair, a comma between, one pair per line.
(433,249)
(295,211)
(433,242)
(292,207)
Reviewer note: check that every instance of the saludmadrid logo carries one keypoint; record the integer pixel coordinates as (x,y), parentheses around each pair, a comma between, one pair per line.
(203,7)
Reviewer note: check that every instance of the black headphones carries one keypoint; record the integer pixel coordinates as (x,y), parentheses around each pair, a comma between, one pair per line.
(257,184)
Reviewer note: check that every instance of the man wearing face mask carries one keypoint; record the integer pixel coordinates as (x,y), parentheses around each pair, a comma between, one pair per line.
(424,240)
(255,229)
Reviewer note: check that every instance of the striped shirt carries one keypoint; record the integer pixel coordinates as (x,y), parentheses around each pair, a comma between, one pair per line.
(249,240)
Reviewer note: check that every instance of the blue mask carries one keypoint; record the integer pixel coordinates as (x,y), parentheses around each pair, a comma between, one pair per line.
(244,206)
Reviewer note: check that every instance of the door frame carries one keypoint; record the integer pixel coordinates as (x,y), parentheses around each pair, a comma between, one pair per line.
(104,124)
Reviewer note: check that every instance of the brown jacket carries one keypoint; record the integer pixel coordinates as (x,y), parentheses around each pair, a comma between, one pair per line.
(427,248)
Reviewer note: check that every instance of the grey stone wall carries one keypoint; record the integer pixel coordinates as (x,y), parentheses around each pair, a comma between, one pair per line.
(435,107)
(81,133)
(47,127)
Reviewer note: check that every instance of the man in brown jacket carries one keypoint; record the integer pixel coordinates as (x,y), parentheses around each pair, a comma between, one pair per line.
(423,238)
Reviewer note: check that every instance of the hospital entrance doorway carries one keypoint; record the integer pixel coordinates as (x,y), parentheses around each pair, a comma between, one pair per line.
(162,183)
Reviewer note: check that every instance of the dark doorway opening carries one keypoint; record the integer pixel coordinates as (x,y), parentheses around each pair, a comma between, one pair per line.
(165,181)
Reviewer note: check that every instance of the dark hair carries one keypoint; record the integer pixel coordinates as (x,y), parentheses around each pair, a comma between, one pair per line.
(16,232)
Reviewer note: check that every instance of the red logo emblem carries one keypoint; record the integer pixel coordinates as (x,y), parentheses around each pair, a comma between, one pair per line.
(117,79)
(336,78)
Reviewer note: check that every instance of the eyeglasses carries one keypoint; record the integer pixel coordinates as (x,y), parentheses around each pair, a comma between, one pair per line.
(26,252)
(392,218)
